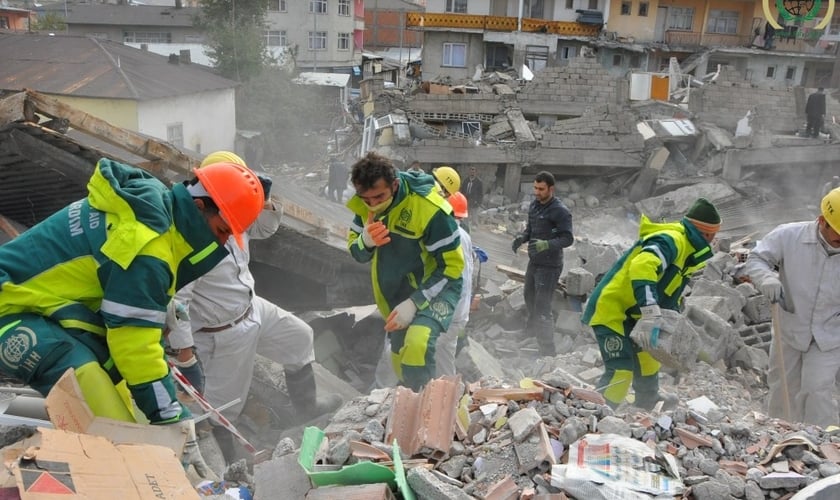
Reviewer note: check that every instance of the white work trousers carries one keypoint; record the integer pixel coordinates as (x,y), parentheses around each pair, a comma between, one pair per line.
(445,348)
(228,356)
(810,379)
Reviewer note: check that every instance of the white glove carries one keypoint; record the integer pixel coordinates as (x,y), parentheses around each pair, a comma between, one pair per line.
(771,288)
(646,331)
(401,316)
(192,453)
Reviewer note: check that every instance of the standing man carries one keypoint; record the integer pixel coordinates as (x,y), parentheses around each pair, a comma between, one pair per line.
(807,255)
(229,324)
(337,179)
(624,309)
(473,189)
(548,232)
(88,287)
(815,111)
(447,344)
(405,229)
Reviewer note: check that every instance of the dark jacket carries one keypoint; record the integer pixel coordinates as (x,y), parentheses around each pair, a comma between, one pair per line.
(551,222)
(815,105)
(473,190)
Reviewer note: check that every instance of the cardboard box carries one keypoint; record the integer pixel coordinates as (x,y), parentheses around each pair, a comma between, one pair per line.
(81,466)
(68,411)
(94,457)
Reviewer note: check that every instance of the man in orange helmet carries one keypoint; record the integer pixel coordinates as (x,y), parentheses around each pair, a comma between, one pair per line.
(88,287)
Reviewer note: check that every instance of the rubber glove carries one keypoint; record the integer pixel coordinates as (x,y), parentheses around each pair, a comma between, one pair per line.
(375,233)
(537,246)
(771,288)
(646,331)
(192,368)
(401,316)
(517,242)
(480,254)
(192,453)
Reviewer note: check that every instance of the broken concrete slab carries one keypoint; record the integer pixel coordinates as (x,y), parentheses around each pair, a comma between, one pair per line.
(676,203)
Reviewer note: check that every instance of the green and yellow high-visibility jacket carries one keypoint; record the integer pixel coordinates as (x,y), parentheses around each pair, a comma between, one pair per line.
(107,264)
(423,260)
(655,270)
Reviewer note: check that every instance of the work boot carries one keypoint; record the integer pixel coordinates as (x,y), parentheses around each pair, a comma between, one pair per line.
(304,397)
(669,401)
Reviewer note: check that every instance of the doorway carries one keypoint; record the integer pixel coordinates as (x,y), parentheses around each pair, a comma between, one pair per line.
(661,23)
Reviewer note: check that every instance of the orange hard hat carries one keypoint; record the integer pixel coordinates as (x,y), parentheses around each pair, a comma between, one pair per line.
(237,191)
(459,204)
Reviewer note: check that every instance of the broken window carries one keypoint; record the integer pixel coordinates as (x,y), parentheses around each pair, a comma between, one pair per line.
(570,4)
(617,59)
(723,21)
(4,22)
(318,6)
(643,9)
(147,37)
(625,8)
(533,9)
(536,57)
(771,72)
(343,7)
(790,74)
(175,134)
(680,18)
(593,4)
(472,129)
(317,40)
(635,61)
(277,5)
(455,55)
(275,38)
(456,6)
(567,52)
(344,41)
(497,55)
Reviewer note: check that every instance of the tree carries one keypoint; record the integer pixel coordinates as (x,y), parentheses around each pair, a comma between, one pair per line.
(49,21)
(234,31)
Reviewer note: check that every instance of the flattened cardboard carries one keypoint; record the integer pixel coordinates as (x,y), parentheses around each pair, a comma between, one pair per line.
(68,411)
(81,466)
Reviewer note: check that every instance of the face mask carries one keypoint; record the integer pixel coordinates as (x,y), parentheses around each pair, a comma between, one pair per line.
(381,207)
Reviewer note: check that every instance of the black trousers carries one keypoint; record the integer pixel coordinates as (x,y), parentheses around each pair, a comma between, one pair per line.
(815,123)
(540,283)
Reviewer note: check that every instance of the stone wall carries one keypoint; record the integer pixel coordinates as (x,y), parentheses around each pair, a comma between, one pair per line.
(582,81)
(609,126)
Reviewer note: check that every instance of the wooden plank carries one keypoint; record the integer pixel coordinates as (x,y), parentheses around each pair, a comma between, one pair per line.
(129,140)
(534,393)
(8,228)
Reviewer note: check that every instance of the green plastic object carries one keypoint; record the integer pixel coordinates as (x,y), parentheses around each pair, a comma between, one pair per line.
(360,473)
(399,471)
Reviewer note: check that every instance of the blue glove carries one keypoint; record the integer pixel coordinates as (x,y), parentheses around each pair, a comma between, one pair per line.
(481,254)
(193,370)
(265,181)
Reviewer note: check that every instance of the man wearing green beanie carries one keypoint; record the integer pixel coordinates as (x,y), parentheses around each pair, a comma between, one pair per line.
(625,308)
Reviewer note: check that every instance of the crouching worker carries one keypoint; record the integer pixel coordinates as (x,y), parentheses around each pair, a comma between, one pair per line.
(88,287)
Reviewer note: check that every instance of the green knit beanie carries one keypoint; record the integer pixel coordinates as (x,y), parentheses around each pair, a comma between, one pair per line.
(704,215)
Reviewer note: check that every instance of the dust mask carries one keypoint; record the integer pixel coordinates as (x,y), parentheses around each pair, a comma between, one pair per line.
(380,207)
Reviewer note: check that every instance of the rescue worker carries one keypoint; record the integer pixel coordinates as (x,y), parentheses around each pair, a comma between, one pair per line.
(447,344)
(651,275)
(448,180)
(404,228)
(88,287)
(807,255)
(548,232)
(229,324)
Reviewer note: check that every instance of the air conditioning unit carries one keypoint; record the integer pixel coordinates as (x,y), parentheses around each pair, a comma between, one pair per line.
(590,16)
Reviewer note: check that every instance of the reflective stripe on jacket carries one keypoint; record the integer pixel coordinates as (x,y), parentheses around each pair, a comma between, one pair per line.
(655,270)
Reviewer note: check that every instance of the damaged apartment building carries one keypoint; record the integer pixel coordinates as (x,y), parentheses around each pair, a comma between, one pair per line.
(605,88)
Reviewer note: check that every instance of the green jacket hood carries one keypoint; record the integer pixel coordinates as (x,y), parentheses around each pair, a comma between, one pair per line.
(141,203)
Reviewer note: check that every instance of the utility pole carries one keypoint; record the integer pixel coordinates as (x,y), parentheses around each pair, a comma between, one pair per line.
(315,40)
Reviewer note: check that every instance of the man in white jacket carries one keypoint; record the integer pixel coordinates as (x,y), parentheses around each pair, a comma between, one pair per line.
(229,324)
(807,255)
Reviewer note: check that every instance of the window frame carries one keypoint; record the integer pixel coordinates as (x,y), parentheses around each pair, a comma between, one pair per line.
(147,37)
(680,14)
(768,71)
(348,37)
(593,5)
(455,6)
(448,46)
(281,6)
(715,18)
(626,8)
(344,5)
(281,34)
(315,35)
(528,9)
(537,55)
(175,134)
(791,70)
(644,9)
(319,7)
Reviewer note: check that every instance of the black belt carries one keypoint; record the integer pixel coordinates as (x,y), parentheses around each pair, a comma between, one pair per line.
(214,329)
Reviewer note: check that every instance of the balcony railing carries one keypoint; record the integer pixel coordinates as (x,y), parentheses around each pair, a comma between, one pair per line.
(499,23)
(693,39)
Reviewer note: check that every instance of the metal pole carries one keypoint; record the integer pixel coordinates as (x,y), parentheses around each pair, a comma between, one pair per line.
(780,357)
(519,19)
(315,44)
